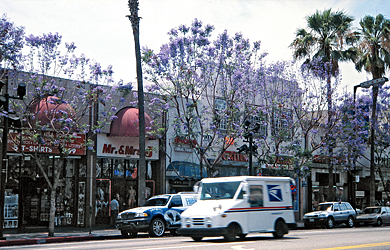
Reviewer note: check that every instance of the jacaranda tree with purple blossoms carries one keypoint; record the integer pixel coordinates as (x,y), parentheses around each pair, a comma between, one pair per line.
(205,86)
(11,43)
(64,91)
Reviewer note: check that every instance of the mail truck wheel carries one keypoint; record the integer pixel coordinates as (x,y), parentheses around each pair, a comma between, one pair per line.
(157,228)
(232,232)
(280,229)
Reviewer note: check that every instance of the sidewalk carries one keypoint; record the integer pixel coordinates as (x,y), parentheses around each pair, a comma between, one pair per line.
(39,235)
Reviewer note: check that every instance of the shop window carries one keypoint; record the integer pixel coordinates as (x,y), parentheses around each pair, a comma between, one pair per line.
(106,165)
(119,168)
(131,169)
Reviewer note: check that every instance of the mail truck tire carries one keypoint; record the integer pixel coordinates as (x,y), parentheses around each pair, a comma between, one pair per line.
(330,222)
(242,236)
(232,232)
(157,228)
(197,238)
(280,229)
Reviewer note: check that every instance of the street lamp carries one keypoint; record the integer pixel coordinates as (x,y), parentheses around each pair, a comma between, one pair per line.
(21,92)
(376,83)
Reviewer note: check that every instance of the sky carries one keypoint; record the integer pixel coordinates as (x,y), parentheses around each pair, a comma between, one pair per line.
(101,30)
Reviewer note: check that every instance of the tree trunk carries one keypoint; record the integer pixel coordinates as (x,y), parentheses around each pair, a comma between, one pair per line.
(330,149)
(134,19)
(52,211)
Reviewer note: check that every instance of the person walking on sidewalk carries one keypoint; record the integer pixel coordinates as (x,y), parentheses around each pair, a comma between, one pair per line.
(114,210)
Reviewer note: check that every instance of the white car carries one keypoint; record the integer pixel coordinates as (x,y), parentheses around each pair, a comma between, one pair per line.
(376,216)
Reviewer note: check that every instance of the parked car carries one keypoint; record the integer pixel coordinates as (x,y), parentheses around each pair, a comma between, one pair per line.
(160,213)
(376,216)
(328,214)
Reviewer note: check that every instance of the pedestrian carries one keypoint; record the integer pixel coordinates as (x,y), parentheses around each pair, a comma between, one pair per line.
(114,210)
(121,203)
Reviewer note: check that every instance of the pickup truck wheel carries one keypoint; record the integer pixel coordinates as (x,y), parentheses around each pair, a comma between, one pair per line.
(350,221)
(280,229)
(197,238)
(157,228)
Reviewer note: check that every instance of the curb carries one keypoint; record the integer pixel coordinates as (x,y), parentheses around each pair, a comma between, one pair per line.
(59,239)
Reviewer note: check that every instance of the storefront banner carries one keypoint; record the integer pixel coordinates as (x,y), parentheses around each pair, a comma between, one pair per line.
(76,146)
(125,147)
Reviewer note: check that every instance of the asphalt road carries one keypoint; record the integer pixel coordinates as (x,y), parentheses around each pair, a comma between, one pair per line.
(377,238)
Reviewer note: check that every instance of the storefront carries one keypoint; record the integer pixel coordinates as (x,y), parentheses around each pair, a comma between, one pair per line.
(27,193)
(117,164)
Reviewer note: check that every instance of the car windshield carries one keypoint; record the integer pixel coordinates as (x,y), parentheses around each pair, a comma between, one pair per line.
(218,190)
(157,201)
(372,210)
(324,207)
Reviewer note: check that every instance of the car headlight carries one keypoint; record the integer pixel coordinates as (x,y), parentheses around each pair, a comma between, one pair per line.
(305,216)
(208,220)
(188,220)
(322,215)
(141,215)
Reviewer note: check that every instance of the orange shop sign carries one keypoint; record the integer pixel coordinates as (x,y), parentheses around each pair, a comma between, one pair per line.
(76,146)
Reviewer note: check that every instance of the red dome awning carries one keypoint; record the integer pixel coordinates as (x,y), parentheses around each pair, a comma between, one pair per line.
(127,123)
(49,109)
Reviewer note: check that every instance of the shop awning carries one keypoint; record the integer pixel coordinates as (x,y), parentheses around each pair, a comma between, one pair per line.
(182,169)
(127,123)
(49,109)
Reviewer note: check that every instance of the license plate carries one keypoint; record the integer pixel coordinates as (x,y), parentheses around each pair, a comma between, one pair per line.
(311,220)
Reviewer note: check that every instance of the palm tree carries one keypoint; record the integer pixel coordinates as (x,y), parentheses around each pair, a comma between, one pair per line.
(374,56)
(374,45)
(326,39)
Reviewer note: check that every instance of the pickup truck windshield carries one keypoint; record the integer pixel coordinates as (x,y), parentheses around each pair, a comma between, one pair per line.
(158,201)
(218,190)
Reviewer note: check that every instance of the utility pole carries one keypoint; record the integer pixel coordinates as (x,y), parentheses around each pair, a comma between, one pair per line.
(134,19)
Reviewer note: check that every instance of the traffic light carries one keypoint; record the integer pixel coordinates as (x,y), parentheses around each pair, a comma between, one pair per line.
(3,101)
(243,148)
(14,122)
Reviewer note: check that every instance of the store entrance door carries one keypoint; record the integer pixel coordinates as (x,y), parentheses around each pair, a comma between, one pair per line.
(35,202)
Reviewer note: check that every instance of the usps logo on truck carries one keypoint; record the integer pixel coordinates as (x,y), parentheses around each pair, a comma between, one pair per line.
(274,193)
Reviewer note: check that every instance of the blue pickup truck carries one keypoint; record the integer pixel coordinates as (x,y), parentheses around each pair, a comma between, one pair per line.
(160,213)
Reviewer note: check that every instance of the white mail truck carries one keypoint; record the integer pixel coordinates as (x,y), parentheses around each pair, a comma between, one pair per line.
(235,206)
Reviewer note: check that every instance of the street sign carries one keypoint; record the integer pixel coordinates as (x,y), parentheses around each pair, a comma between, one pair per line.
(368,84)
